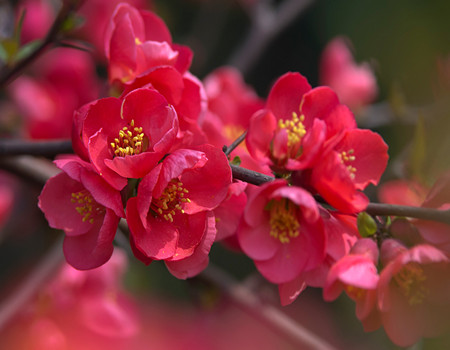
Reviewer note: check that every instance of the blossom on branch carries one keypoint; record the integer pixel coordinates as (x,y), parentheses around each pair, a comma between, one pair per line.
(355,84)
(282,231)
(136,41)
(170,219)
(79,202)
(126,138)
(413,293)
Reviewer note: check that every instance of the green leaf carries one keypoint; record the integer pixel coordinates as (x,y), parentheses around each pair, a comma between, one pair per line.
(366,224)
(236,161)
(72,22)
(27,49)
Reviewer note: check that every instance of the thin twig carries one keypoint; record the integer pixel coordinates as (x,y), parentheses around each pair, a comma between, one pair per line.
(407,211)
(267,23)
(36,170)
(266,313)
(35,279)
(49,149)
(237,142)
(250,176)
(27,167)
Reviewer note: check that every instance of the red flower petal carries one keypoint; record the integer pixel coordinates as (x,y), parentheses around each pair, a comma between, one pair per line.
(286,95)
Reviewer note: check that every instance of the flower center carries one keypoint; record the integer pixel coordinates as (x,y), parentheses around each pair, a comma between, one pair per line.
(87,207)
(131,140)
(410,281)
(283,220)
(355,293)
(171,200)
(295,129)
(346,158)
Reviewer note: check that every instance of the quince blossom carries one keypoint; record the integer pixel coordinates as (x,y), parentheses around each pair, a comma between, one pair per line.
(62,81)
(355,84)
(136,41)
(88,209)
(413,231)
(126,138)
(282,231)
(413,293)
(170,219)
(357,160)
(290,133)
(356,274)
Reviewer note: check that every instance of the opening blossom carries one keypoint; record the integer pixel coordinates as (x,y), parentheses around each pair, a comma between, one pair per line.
(413,294)
(356,274)
(79,202)
(170,219)
(282,231)
(136,41)
(355,84)
(126,138)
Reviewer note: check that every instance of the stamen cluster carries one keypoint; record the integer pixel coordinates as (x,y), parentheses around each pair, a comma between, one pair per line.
(130,141)
(88,208)
(171,200)
(284,223)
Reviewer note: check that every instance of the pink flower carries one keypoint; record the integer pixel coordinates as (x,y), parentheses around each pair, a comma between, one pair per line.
(136,41)
(231,103)
(413,231)
(359,159)
(228,213)
(413,292)
(290,133)
(97,14)
(355,85)
(78,310)
(126,138)
(82,204)
(170,218)
(184,92)
(341,235)
(64,80)
(282,231)
(356,274)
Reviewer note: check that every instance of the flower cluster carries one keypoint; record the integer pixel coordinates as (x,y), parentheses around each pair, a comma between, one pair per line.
(151,154)
(142,152)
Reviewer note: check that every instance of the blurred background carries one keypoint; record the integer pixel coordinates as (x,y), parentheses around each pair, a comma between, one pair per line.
(407,45)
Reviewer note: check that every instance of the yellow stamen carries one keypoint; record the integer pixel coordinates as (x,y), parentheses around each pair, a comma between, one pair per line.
(171,200)
(284,224)
(355,293)
(131,141)
(348,157)
(88,208)
(410,279)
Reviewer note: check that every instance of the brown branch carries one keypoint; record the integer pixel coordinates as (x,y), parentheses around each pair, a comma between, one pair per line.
(237,142)
(48,149)
(51,148)
(264,312)
(250,176)
(383,209)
